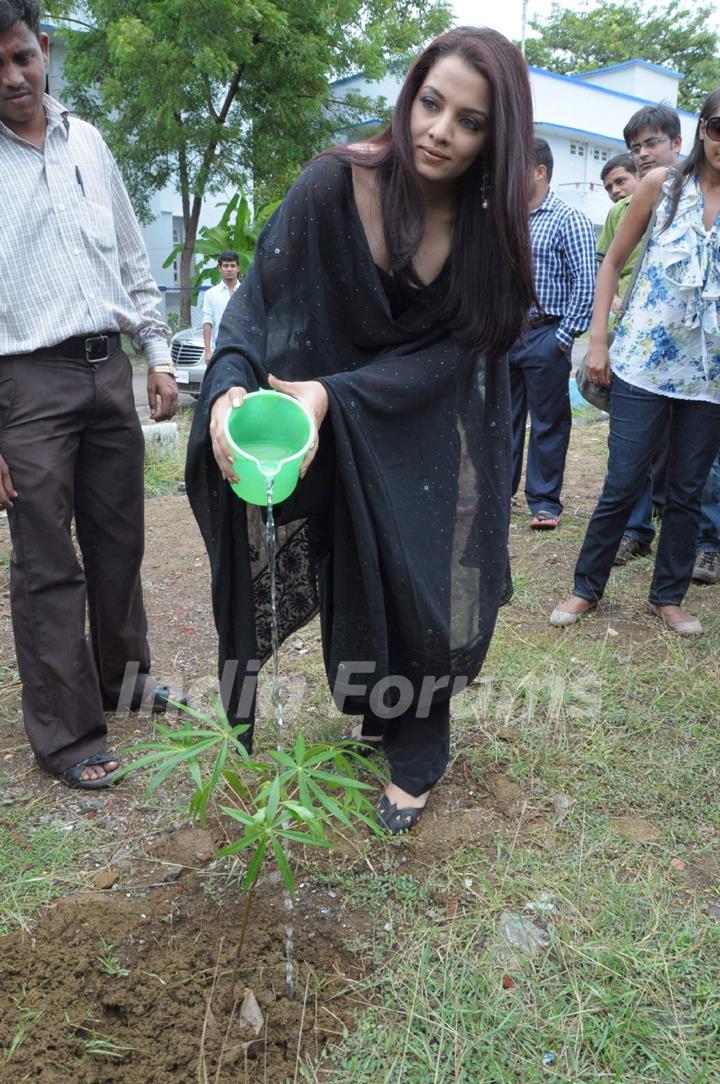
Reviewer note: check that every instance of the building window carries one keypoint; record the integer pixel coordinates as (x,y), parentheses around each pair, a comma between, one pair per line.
(178,236)
(577,150)
(600,155)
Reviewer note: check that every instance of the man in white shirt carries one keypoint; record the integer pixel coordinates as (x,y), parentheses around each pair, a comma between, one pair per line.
(74,276)
(217,297)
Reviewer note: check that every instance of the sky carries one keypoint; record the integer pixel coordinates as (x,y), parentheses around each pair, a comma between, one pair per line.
(505,16)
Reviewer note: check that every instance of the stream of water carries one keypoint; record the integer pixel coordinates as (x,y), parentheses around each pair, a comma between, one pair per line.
(279,722)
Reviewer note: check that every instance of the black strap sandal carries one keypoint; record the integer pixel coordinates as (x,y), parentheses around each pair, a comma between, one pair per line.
(163,695)
(395,820)
(71,776)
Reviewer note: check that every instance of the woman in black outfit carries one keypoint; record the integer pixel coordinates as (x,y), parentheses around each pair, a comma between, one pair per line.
(384,295)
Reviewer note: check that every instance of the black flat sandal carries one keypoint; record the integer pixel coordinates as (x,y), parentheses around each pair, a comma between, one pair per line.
(71,776)
(394,820)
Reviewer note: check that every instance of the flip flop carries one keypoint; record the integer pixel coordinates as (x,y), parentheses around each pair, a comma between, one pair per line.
(544,521)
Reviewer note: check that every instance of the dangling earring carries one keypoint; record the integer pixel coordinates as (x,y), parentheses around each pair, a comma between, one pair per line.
(485,188)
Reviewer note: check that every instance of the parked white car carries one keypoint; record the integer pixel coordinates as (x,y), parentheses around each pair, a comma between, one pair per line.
(188,353)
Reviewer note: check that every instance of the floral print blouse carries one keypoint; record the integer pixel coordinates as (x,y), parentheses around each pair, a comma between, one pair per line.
(668,341)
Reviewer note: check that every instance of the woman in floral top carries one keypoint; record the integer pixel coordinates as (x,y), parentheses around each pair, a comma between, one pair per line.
(664,364)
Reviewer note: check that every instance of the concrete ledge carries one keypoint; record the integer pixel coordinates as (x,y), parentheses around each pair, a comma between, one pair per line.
(161,438)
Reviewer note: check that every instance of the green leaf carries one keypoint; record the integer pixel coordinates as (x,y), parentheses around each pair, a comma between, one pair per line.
(254,867)
(302,812)
(272,799)
(247,840)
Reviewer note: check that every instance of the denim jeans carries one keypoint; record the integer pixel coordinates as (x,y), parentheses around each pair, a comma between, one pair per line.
(709,531)
(640,524)
(539,371)
(637,419)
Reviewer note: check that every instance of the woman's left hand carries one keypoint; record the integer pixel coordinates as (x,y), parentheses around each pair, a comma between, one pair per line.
(314,397)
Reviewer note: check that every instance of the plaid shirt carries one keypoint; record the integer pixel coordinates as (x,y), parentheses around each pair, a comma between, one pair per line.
(563,252)
(72,257)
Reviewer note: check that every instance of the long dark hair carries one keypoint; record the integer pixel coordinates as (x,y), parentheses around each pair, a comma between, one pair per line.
(693,164)
(491,278)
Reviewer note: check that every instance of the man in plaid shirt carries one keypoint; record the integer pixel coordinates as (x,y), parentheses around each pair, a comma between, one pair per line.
(563,249)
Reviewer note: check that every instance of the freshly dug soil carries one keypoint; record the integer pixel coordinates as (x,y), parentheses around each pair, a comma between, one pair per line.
(138,988)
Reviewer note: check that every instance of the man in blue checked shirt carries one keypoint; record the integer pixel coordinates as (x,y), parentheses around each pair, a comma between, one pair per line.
(563,249)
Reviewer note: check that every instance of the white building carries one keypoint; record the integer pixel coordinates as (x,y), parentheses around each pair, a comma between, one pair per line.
(582,118)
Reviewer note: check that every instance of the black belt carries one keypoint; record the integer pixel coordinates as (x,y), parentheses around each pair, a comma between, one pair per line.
(90,348)
(542,321)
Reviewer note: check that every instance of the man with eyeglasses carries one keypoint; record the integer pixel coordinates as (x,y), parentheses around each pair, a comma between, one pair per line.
(652,136)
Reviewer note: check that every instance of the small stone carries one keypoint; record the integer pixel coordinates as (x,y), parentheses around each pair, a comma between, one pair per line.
(522,935)
(562,804)
(250,1020)
(677,864)
(203,856)
(106,878)
(714,909)
(172,873)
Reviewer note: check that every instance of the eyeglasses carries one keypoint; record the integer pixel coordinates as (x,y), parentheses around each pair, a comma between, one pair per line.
(648,144)
(712,128)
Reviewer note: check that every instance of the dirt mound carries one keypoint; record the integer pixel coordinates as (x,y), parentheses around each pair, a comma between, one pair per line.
(110,988)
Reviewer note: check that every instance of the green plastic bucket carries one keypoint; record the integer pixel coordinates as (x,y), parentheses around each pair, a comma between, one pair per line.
(269,436)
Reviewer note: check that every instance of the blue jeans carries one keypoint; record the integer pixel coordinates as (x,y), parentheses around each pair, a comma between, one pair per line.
(640,524)
(539,370)
(709,531)
(637,419)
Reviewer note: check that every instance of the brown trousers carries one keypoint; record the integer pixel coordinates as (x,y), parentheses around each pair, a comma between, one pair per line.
(71,438)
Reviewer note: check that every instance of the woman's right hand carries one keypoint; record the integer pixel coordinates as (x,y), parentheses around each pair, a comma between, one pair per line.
(229,400)
(597,364)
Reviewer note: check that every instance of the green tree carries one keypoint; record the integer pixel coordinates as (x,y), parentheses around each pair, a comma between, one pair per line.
(675,36)
(229,92)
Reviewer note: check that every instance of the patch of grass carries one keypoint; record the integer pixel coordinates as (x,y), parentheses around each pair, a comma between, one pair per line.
(625,993)
(34,865)
(106,1047)
(617,717)
(110,962)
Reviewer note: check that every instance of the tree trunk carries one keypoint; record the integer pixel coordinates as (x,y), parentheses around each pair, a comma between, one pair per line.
(185,292)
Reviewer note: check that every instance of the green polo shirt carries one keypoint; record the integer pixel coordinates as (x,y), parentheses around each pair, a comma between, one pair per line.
(612,225)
